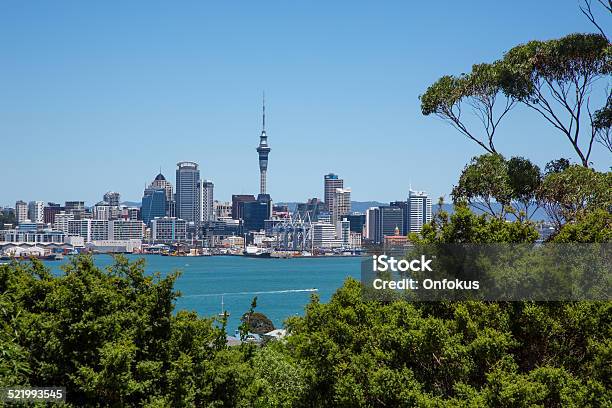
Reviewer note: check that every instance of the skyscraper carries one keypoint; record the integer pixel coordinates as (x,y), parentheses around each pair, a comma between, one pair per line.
(21,211)
(419,210)
(341,204)
(187,180)
(153,204)
(263,150)
(161,182)
(206,201)
(331,182)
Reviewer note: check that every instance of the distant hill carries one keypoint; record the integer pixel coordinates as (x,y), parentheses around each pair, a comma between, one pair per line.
(131,203)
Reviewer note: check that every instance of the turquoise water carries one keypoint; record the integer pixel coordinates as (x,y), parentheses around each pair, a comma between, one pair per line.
(282,284)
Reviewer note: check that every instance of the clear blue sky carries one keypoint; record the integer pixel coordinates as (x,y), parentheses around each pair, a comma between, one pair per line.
(96,96)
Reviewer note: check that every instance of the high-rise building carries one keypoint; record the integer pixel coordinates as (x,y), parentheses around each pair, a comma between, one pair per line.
(237,200)
(263,150)
(61,220)
(50,210)
(112,198)
(187,180)
(341,204)
(153,204)
(168,229)
(255,213)
(390,219)
(419,210)
(373,224)
(21,211)
(161,182)
(206,201)
(90,230)
(102,211)
(312,208)
(36,211)
(331,182)
(357,222)
(343,232)
(74,205)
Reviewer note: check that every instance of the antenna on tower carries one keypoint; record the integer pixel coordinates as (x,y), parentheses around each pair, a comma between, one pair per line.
(263,118)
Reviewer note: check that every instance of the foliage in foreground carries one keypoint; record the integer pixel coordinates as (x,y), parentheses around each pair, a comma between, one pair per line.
(111,337)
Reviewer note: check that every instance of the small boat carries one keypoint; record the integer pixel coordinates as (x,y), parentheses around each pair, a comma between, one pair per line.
(224,312)
(256,252)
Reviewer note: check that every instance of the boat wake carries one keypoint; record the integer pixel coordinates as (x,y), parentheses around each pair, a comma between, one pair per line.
(265,292)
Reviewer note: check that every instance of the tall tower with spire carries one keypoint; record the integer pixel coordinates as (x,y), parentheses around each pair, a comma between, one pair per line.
(263,150)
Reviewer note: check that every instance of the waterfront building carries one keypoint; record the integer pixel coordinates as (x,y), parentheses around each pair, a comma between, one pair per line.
(263,150)
(168,229)
(121,230)
(343,232)
(237,204)
(324,235)
(355,240)
(102,211)
(21,211)
(187,180)
(255,213)
(32,236)
(396,241)
(60,221)
(153,204)
(88,229)
(341,204)
(419,207)
(331,182)
(49,212)
(206,201)
(36,211)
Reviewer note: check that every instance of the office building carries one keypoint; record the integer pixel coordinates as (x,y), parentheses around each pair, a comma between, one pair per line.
(372,224)
(357,222)
(102,211)
(390,219)
(36,211)
(222,209)
(88,229)
(112,198)
(331,182)
(161,182)
(419,211)
(186,198)
(206,201)
(122,230)
(21,211)
(168,229)
(237,201)
(255,213)
(324,235)
(343,232)
(341,204)
(153,204)
(74,205)
(49,212)
(60,221)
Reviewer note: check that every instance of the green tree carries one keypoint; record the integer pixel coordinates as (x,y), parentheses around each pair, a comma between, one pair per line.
(555,78)
(573,192)
(496,186)
(479,90)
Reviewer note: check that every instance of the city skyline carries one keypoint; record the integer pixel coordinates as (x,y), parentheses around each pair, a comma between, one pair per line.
(102,106)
